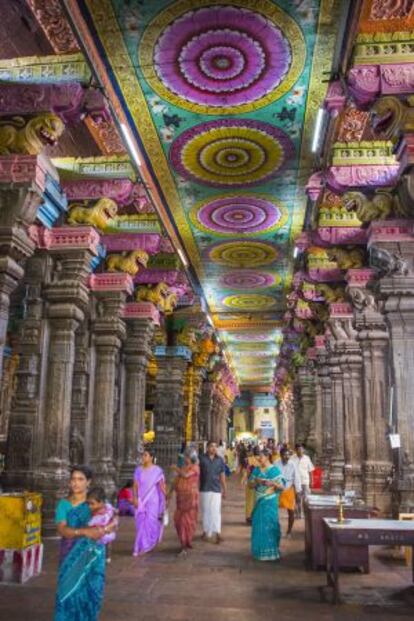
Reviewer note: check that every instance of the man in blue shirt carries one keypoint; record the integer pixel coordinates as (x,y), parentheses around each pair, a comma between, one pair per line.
(212,490)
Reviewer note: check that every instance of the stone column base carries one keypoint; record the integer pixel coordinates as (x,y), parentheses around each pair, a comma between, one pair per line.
(376,488)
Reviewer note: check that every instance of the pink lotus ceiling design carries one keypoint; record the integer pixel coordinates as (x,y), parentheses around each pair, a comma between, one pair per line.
(221,97)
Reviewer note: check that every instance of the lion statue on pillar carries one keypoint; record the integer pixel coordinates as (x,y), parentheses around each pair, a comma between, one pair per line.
(128,262)
(99,216)
(30,137)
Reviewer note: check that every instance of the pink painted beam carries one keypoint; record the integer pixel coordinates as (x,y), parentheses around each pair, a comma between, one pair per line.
(359,277)
(154,276)
(124,242)
(342,178)
(25,169)
(338,236)
(73,237)
(111,281)
(142,310)
(367,82)
(71,101)
(390,231)
(120,190)
(340,310)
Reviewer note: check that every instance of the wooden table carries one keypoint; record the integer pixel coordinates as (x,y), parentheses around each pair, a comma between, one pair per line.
(362,533)
(317,508)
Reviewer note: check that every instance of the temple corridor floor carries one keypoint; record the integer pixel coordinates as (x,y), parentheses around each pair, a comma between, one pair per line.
(222,583)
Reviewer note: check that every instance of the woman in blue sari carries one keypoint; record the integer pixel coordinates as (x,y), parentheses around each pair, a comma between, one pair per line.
(267,481)
(81,577)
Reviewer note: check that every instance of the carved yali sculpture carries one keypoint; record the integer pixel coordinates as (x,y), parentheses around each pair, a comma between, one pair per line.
(330,294)
(31,137)
(156,294)
(99,216)
(170,302)
(390,117)
(351,258)
(129,262)
(379,207)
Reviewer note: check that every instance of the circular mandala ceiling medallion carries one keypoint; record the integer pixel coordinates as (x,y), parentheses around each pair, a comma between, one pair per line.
(243,254)
(222,57)
(248,279)
(231,153)
(229,215)
(249,302)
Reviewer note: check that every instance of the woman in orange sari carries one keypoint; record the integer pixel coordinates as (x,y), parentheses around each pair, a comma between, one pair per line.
(187,486)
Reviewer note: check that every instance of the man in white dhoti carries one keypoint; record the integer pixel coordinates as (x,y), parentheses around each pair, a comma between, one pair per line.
(212,490)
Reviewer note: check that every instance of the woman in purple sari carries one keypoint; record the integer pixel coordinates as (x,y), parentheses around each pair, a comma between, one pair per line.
(149,501)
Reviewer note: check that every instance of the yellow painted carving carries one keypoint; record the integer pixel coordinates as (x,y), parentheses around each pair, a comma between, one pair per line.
(346,259)
(379,207)
(18,135)
(391,117)
(127,262)
(99,216)
(330,294)
(187,338)
(153,293)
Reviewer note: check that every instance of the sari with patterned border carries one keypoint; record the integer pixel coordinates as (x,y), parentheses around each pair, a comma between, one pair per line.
(265,517)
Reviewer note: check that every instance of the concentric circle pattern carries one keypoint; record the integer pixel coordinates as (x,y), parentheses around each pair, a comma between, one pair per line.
(229,215)
(222,58)
(250,302)
(248,279)
(243,254)
(231,153)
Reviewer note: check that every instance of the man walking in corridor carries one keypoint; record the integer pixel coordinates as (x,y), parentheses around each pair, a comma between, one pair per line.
(212,490)
(305,466)
(293,487)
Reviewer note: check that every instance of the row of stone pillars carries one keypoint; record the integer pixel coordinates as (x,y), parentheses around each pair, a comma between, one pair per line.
(356,389)
(83,356)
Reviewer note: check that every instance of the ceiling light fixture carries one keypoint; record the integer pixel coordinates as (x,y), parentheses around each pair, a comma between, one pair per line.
(318,130)
(182,257)
(131,145)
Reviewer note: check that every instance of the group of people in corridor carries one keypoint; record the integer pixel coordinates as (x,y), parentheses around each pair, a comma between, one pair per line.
(87,523)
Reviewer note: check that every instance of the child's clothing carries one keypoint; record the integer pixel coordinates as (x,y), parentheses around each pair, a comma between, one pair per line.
(103,518)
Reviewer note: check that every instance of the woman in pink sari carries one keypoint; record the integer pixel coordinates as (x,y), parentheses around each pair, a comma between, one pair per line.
(149,501)
(187,485)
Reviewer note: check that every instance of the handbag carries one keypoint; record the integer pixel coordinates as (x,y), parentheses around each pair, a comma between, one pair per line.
(165,518)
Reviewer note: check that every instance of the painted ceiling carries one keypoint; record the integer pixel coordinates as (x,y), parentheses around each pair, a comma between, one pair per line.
(222,98)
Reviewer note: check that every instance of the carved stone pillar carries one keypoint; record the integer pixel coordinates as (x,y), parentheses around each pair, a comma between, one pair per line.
(215,417)
(23,450)
(205,411)
(350,361)
(108,329)
(373,337)
(79,436)
(307,405)
(325,382)
(22,182)
(336,475)
(315,435)
(67,296)
(391,246)
(141,319)
(169,418)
